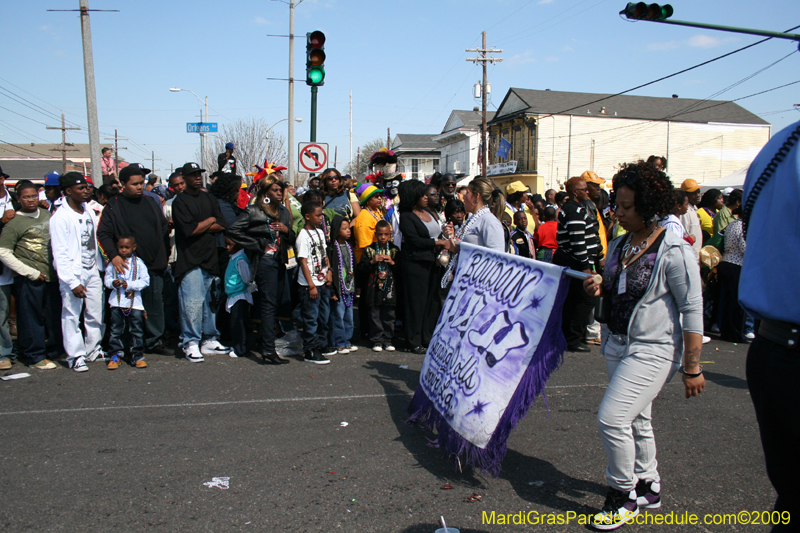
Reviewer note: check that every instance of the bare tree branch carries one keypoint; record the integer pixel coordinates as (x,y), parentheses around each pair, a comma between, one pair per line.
(249,136)
(363,161)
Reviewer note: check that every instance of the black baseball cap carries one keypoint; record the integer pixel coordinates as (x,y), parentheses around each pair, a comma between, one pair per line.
(191,168)
(72,178)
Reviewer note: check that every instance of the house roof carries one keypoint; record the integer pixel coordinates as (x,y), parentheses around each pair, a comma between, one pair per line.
(414,142)
(529,101)
(33,169)
(465,119)
(42,151)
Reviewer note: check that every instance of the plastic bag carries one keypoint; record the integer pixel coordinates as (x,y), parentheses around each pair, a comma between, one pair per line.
(289,344)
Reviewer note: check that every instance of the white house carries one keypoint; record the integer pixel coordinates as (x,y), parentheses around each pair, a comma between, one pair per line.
(555,135)
(417,155)
(459,143)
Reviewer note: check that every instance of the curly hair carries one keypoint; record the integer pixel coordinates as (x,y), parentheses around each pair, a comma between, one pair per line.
(226,186)
(652,188)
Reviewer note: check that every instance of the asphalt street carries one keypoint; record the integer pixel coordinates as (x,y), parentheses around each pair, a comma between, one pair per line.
(130,450)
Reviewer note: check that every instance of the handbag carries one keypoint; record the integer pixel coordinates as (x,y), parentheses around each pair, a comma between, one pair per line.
(717,241)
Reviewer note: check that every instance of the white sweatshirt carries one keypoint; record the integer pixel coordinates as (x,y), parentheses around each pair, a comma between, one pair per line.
(65,241)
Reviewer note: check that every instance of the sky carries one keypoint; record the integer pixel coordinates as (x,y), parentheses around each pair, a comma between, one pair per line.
(405,63)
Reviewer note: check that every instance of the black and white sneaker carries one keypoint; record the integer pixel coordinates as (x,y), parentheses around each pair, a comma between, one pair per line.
(620,509)
(326,351)
(192,353)
(212,346)
(316,357)
(648,494)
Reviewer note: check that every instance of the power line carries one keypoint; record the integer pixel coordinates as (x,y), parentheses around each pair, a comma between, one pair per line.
(670,75)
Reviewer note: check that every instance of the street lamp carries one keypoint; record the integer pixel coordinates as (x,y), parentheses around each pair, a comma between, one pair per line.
(203,138)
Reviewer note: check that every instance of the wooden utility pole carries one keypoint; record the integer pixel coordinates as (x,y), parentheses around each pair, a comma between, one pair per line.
(64,143)
(388,139)
(483,58)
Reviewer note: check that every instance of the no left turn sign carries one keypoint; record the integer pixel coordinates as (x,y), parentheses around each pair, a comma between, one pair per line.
(313,157)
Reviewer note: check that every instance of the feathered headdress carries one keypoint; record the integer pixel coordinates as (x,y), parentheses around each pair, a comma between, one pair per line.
(266,170)
(384,156)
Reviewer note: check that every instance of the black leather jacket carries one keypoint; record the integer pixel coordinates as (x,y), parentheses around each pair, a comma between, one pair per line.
(251,230)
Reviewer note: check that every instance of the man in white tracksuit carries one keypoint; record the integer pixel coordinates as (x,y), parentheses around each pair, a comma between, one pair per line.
(77,260)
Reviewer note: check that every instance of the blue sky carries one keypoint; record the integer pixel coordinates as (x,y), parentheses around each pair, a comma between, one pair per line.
(404,61)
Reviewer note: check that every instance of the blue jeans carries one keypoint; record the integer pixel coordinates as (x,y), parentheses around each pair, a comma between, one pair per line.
(5,334)
(195,295)
(341,325)
(134,323)
(315,314)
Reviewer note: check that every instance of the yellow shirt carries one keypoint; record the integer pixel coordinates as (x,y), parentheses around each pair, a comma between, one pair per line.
(364,230)
(706,221)
(531,220)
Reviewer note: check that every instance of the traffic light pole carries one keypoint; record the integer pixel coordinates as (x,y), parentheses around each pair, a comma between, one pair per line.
(313,136)
(734,29)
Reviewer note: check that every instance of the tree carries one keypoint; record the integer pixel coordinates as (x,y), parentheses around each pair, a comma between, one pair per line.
(253,141)
(362,161)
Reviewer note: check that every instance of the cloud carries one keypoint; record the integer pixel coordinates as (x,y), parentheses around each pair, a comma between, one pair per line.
(567,49)
(707,41)
(521,59)
(545,1)
(551,59)
(45,27)
(262,21)
(698,41)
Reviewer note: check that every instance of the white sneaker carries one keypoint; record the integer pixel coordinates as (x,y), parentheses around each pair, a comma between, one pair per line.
(98,353)
(79,365)
(750,336)
(377,348)
(352,348)
(388,347)
(212,346)
(706,339)
(192,353)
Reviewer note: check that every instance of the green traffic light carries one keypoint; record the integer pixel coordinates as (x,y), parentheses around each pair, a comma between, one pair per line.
(316,75)
(642,11)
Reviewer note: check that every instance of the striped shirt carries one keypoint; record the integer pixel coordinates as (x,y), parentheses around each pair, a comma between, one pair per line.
(577,234)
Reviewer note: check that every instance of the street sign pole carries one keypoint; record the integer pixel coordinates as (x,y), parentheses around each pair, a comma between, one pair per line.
(313,136)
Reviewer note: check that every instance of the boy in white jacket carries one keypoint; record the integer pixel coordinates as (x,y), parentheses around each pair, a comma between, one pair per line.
(77,260)
(127,310)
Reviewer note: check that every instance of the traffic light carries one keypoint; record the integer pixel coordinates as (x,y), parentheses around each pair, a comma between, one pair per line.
(315,58)
(642,11)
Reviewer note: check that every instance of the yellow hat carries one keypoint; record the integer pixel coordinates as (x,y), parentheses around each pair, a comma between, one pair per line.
(689,185)
(590,176)
(516,186)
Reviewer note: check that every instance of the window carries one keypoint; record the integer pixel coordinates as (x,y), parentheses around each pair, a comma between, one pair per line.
(415,168)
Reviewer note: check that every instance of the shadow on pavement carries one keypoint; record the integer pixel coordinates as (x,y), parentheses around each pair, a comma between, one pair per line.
(391,377)
(724,380)
(430,528)
(539,482)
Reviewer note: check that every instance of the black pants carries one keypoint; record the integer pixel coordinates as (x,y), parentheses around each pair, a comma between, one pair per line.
(435,301)
(415,274)
(773,373)
(382,320)
(134,324)
(732,325)
(153,302)
(270,278)
(38,319)
(239,317)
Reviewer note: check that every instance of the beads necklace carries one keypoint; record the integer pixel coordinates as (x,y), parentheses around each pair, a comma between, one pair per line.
(629,251)
(127,310)
(450,273)
(316,253)
(345,275)
(383,268)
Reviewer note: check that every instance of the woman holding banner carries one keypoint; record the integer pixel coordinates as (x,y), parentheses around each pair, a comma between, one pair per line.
(653,291)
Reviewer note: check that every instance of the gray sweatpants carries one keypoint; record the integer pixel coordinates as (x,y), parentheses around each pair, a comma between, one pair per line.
(624,417)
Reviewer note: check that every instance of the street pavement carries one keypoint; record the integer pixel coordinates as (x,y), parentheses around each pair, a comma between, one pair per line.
(130,450)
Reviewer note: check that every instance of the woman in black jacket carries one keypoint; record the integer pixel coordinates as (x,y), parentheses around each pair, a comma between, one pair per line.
(264,229)
(421,229)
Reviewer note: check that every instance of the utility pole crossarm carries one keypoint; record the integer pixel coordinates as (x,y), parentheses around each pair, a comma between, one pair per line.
(483,59)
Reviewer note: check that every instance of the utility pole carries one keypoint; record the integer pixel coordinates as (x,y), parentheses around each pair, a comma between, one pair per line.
(358,163)
(335,156)
(484,58)
(388,139)
(117,147)
(64,143)
(291,170)
(91,95)
(351,127)
(153,162)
